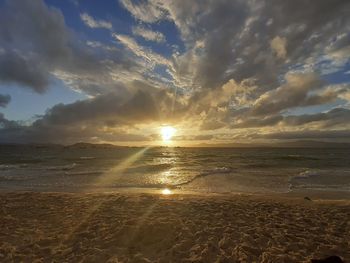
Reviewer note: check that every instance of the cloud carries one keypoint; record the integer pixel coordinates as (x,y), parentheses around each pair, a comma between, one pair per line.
(148,34)
(108,109)
(15,68)
(145,11)
(4,100)
(296,92)
(253,122)
(335,117)
(278,45)
(245,31)
(93,23)
(216,107)
(140,51)
(31,35)
(308,134)
(7,125)
(236,106)
(37,46)
(102,118)
(242,31)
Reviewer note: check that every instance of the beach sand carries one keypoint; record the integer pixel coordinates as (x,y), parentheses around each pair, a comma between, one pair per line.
(115,227)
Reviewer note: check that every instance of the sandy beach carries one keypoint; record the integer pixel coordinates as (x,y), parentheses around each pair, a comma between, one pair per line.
(115,227)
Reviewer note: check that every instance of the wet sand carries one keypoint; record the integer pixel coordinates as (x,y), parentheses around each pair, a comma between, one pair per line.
(120,227)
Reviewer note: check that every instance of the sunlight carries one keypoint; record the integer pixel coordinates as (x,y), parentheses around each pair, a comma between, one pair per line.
(166,191)
(167,133)
(114,173)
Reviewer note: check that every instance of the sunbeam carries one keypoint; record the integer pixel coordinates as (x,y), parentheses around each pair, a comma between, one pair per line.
(117,171)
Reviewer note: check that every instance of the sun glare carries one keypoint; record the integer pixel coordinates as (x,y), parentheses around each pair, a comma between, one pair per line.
(166,191)
(167,132)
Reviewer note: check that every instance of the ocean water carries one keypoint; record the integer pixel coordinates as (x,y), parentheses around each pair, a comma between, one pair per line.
(248,170)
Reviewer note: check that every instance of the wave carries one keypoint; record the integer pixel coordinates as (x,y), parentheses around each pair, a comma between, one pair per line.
(150,167)
(78,158)
(87,157)
(259,165)
(62,167)
(306,175)
(219,170)
(6,167)
(214,171)
(321,187)
(321,180)
(297,157)
(18,160)
(206,156)
(84,173)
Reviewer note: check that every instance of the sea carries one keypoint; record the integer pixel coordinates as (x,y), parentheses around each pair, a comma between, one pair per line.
(204,170)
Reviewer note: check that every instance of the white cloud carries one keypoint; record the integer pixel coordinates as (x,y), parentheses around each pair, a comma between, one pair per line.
(93,23)
(148,34)
(141,51)
(148,12)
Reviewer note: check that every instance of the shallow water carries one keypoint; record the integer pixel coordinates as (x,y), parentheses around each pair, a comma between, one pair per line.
(263,170)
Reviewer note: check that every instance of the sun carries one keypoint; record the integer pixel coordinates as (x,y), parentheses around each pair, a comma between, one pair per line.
(167,132)
(166,191)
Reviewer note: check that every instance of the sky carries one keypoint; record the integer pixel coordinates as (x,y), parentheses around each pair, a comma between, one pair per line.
(218,71)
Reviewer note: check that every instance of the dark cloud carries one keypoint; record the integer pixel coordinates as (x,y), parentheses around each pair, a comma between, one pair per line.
(308,134)
(108,109)
(235,105)
(211,124)
(330,119)
(36,45)
(32,35)
(16,69)
(100,117)
(4,100)
(203,137)
(232,39)
(7,124)
(334,117)
(258,122)
(294,93)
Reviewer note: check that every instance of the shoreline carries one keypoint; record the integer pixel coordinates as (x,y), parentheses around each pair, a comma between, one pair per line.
(294,194)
